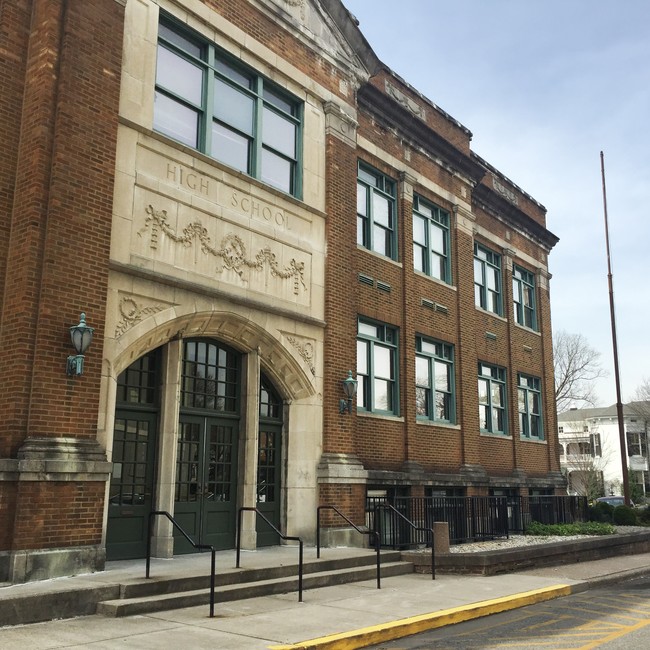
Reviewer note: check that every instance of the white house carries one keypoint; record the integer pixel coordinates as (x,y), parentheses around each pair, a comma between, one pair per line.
(590,448)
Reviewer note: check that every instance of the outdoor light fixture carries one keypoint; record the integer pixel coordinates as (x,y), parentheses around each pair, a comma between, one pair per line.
(350,390)
(81,336)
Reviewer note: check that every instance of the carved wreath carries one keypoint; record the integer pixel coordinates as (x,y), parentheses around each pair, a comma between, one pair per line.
(232,250)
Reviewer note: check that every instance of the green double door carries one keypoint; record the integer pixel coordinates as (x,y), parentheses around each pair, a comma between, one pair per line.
(206,482)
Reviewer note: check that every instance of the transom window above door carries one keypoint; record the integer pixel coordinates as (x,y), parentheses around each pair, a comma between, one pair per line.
(211,102)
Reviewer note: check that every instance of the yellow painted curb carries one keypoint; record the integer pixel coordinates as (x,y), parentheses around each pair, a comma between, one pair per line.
(366,636)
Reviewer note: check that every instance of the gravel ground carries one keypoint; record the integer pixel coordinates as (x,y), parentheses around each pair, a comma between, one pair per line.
(515,541)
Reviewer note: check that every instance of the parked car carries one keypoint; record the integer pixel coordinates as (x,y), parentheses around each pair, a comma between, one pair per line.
(614,500)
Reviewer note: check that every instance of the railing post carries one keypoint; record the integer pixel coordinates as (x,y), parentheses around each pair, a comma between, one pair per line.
(239,519)
(378,543)
(212,571)
(300,572)
(151,514)
(318,532)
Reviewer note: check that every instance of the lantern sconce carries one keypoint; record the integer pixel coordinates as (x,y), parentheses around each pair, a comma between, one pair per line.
(350,390)
(81,336)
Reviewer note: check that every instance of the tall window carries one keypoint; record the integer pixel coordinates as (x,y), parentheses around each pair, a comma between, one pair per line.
(431,240)
(434,381)
(487,280)
(227,111)
(377,367)
(492,398)
(376,212)
(530,407)
(523,296)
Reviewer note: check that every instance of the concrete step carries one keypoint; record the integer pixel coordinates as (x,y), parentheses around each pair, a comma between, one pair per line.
(241,590)
(159,585)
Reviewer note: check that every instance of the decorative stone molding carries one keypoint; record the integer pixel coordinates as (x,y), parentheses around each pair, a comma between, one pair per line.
(409,104)
(339,124)
(504,191)
(341,468)
(62,459)
(133,313)
(305,351)
(232,252)
(407,182)
(465,219)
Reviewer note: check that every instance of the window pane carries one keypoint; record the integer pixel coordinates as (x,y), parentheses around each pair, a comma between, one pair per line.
(179,76)
(380,210)
(382,359)
(367,177)
(380,240)
(368,330)
(233,73)
(180,41)
(230,147)
(497,420)
(421,401)
(482,391)
(233,106)
(419,255)
(437,266)
(362,357)
(428,347)
(437,238)
(419,230)
(175,120)
(492,279)
(442,406)
(362,199)
(383,401)
(278,101)
(279,133)
(483,416)
(497,393)
(442,376)
(422,372)
(478,272)
(276,171)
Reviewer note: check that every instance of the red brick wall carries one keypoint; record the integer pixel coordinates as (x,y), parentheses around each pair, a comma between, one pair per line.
(57,242)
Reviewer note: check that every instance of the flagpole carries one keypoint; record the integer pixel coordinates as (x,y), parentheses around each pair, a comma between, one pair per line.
(619,403)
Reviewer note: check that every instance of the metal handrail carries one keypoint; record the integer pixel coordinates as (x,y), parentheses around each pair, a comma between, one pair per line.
(205,547)
(363,531)
(286,537)
(387,506)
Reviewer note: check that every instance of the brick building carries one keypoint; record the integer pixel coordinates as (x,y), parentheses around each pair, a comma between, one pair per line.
(190,185)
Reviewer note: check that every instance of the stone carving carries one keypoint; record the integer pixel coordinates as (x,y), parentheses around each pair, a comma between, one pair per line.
(232,251)
(297,3)
(133,313)
(405,101)
(306,352)
(505,192)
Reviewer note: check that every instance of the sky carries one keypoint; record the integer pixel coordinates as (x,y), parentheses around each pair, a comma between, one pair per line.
(545,86)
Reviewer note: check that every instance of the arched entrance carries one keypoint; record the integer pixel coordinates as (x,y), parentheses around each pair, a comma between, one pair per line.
(180,445)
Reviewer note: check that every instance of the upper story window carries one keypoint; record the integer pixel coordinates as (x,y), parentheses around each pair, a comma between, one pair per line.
(530,407)
(492,398)
(487,280)
(523,297)
(377,367)
(434,381)
(431,240)
(376,212)
(209,102)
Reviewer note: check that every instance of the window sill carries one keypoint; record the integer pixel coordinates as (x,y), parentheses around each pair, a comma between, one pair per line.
(535,441)
(491,313)
(380,416)
(441,425)
(442,283)
(526,329)
(379,256)
(498,436)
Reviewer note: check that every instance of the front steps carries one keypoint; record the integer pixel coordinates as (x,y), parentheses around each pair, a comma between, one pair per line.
(147,597)
(185,582)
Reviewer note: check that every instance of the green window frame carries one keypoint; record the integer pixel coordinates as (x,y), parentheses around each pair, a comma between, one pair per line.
(492,399)
(212,103)
(376,212)
(377,357)
(435,397)
(431,240)
(487,280)
(530,407)
(523,297)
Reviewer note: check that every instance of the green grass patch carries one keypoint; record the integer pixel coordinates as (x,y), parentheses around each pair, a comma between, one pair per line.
(580,528)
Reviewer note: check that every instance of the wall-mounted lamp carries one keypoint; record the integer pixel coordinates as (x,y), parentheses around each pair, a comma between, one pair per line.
(350,390)
(81,336)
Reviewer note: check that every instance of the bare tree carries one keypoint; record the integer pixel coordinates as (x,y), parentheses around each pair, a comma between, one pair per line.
(577,367)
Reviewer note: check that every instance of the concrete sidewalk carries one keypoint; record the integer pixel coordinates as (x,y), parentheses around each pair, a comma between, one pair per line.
(342,617)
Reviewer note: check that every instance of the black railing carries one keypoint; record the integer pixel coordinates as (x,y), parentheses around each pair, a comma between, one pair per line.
(363,531)
(285,537)
(199,547)
(470,518)
(405,522)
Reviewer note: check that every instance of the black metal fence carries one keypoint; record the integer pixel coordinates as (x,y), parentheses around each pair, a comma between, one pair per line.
(469,518)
